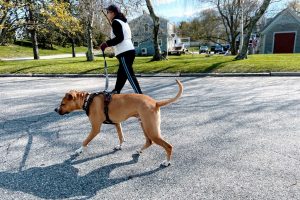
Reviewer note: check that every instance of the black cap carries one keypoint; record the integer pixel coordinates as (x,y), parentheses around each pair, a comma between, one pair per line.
(113,8)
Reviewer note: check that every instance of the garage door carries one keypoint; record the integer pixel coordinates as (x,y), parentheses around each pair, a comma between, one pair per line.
(284,42)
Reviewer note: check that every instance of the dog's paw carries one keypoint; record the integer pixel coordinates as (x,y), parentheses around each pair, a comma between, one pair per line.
(165,163)
(80,150)
(118,147)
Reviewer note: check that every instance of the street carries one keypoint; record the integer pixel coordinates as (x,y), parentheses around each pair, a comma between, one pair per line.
(233,138)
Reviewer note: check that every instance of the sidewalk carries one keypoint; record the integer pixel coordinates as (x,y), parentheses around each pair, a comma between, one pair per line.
(267,74)
(45,57)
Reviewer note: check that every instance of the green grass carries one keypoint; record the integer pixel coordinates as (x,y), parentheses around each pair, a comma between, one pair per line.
(184,64)
(12,51)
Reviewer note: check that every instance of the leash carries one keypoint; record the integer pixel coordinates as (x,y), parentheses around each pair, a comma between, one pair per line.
(106,73)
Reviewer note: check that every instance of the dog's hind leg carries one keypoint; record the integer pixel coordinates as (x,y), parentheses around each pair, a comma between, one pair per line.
(152,133)
(148,141)
(120,135)
(167,147)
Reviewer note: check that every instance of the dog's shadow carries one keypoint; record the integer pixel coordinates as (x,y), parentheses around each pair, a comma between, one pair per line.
(62,180)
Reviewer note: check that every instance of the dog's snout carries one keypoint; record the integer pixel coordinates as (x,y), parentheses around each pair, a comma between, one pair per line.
(56,109)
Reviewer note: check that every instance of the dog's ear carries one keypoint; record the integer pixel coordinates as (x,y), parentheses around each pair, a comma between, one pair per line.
(69,96)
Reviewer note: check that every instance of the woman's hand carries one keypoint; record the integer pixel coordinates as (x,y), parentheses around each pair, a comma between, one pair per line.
(103,46)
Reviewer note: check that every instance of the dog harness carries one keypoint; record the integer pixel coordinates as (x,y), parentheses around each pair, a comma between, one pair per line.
(107,98)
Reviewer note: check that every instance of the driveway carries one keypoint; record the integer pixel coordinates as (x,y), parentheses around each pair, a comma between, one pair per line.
(233,138)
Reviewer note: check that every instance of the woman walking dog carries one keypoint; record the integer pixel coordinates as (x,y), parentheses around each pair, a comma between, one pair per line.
(123,48)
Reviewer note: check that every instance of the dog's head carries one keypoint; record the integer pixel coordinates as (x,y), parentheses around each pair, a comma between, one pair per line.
(69,103)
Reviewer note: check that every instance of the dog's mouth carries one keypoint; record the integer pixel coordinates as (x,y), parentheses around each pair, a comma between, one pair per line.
(60,112)
(64,113)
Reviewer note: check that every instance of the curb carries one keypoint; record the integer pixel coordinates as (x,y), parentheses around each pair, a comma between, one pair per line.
(287,74)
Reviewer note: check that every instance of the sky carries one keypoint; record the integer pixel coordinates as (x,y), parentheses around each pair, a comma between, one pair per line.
(178,10)
(173,9)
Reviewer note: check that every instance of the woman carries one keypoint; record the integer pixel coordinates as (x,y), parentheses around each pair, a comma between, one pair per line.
(123,48)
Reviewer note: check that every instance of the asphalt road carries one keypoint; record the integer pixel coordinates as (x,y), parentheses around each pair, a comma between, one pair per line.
(233,138)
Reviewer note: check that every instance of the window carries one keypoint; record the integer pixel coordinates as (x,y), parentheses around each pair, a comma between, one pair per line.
(146,27)
(135,44)
(159,42)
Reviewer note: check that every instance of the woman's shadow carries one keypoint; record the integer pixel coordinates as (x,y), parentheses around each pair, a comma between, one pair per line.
(62,180)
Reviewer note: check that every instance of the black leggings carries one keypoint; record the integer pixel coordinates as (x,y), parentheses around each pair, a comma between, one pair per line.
(125,72)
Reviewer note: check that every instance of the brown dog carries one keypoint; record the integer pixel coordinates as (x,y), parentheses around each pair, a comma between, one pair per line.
(121,107)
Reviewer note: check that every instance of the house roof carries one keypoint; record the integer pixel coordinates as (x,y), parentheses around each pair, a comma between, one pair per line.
(278,17)
(148,15)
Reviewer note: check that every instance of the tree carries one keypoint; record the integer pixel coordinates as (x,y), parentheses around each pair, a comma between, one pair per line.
(256,15)
(156,23)
(59,16)
(9,19)
(5,9)
(87,10)
(92,14)
(295,6)
(231,12)
(206,27)
(32,23)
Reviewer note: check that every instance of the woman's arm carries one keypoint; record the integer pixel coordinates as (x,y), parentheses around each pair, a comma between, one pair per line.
(118,32)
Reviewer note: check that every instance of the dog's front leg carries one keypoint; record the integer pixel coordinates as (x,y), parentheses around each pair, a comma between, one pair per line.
(95,130)
(120,135)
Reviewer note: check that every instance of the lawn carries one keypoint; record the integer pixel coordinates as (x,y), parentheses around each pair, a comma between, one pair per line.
(12,51)
(175,64)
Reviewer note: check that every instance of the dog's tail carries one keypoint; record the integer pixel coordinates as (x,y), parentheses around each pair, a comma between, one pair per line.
(168,101)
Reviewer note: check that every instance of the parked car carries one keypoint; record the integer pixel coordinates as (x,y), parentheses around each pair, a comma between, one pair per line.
(219,49)
(203,49)
(178,49)
(226,47)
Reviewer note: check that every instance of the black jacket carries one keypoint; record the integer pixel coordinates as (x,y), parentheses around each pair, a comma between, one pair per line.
(117,30)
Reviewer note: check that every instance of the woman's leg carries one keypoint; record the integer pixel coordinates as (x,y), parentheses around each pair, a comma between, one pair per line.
(127,60)
(121,78)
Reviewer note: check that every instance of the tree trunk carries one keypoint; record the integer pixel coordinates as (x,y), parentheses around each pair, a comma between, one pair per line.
(157,55)
(2,28)
(73,48)
(34,44)
(33,34)
(3,39)
(89,33)
(233,45)
(253,20)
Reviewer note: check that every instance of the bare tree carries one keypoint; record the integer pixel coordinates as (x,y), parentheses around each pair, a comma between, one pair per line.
(156,24)
(130,7)
(231,12)
(250,25)
(295,6)
(88,9)
(93,15)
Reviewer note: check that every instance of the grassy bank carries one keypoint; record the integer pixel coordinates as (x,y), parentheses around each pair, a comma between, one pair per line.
(184,63)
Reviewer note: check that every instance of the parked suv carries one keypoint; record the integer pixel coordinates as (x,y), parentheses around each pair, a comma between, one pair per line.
(203,49)
(219,49)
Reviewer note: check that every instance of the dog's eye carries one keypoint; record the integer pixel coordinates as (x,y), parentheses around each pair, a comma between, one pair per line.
(62,104)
